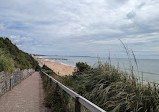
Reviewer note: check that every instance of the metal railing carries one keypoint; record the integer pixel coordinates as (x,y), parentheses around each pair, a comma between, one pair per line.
(78,99)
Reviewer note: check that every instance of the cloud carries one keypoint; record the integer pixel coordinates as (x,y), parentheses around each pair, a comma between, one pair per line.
(2,27)
(141,4)
(18,40)
(82,27)
(131,15)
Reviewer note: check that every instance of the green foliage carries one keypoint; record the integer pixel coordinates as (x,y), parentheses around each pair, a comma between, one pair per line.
(112,89)
(81,67)
(48,70)
(6,63)
(67,80)
(55,99)
(18,58)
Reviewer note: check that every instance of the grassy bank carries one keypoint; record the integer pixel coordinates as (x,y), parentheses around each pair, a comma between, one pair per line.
(112,89)
(55,99)
(11,57)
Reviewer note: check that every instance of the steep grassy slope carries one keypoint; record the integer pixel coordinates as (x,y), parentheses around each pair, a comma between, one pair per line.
(11,57)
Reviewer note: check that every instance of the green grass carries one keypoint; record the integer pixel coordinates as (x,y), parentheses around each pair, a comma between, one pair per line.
(116,91)
(11,57)
(6,63)
(55,98)
(112,89)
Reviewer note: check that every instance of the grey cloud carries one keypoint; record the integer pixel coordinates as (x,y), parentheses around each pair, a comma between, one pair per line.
(116,3)
(2,27)
(74,25)
(18,40)
(131,15)
(141,5)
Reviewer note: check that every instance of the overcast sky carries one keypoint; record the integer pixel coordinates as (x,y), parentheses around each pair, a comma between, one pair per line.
(82,27)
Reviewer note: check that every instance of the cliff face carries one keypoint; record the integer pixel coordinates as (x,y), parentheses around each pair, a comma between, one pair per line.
(12,58)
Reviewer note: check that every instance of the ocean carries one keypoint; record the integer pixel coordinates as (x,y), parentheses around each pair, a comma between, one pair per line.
(148,67)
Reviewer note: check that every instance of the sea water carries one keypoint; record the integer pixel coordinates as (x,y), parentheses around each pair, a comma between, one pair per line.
(148,67)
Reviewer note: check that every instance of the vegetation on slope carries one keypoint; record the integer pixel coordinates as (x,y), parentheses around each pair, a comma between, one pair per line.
(11,57)
(112,89)
(6,63)
(55,98)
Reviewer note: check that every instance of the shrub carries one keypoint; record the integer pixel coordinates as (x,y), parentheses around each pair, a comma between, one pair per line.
(112,90)
(81,66)
(55,99)
(6,63)
(12,56)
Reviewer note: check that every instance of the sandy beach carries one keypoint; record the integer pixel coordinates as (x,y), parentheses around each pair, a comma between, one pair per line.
(59,69)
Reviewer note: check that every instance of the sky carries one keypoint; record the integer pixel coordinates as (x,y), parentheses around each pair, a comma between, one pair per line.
(82,27)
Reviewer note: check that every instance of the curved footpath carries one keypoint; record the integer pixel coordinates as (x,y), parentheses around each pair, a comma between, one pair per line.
(25,97)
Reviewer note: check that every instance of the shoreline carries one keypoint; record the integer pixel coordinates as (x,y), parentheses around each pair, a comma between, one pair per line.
(58,62)
(58,68)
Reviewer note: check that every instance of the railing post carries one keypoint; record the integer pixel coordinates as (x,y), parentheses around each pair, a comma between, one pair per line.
(57,87)
(50,82)
(11,82)
(77,105)
(46,80)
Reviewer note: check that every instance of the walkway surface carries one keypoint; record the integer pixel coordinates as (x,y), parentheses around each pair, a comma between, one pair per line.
(25,97)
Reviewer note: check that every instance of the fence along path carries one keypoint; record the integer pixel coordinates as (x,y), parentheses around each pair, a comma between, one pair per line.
(78,99)
(27,96)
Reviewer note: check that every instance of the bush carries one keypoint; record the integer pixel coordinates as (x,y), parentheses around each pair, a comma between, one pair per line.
(55,99)
(48,70)
(112,90)
(12,56)
(6,63)
(81,66)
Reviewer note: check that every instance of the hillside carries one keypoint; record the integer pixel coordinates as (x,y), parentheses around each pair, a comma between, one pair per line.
(12,57)
(106,86)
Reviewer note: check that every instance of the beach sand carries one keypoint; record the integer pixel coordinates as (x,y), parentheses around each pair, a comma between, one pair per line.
(59,69)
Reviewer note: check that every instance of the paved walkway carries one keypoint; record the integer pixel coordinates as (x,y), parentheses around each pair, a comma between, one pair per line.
(25,97)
